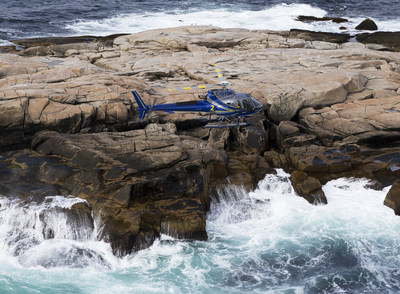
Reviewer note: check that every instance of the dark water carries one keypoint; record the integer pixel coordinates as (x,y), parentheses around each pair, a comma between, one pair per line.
(26,18)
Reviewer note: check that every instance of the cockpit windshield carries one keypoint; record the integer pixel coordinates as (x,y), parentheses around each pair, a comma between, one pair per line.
(243,101)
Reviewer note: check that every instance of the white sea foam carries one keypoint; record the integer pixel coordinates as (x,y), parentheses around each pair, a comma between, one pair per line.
(6,43)
(46,232)
(277,17)
(266,241)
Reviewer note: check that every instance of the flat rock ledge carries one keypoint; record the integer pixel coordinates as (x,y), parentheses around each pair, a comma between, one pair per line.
(69,124)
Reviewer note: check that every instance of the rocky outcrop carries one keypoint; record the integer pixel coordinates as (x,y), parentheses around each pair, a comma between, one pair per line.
(139,184)
(360,121)
(142,183)
(85,86)
(59,45)
(390,40)
(378,161)
(319,36)
(392,198)
(307,18)
(308,187)
(65,95)
(331,109)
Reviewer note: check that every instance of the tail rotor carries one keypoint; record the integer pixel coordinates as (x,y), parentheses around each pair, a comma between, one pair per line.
(143,108)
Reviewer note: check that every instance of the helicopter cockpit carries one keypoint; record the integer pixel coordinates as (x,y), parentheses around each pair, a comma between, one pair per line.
(244,101)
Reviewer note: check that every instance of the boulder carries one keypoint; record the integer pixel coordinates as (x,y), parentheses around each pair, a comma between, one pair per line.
(391,40)
(284,101)
(308,187)
(354,120)
(307,18)
(320,159)
(367,24)
(319,36)
(247,170)
(290,134)
(392,198)
(347,160)
(252,139)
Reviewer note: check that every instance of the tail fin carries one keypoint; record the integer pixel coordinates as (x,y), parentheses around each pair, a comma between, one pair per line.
(143,108)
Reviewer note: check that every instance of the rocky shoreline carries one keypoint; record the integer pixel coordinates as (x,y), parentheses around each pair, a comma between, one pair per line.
(69,125)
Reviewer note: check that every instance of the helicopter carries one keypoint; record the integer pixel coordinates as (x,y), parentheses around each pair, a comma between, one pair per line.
(223,102)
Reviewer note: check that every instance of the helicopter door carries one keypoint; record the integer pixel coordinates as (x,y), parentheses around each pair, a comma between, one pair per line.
(246,105)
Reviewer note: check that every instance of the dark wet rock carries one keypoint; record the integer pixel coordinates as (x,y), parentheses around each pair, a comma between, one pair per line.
(290,134)
(219,138)
(367,24)
(59,45)
(391,40)
(139,182)
(308,187)
(247,170)
(252,139)
(349,160)
(319,159)
(392,198)
(319,36)
(288,129)
(307,18)
(19,175)
(277,159)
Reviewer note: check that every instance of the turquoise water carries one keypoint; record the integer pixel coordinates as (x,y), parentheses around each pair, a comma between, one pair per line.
(268,241)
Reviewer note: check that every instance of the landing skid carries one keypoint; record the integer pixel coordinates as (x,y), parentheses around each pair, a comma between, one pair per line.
(224,126)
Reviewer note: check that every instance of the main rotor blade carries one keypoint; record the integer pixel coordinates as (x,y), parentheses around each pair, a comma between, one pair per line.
(193,87)
(220,76)
(219,73)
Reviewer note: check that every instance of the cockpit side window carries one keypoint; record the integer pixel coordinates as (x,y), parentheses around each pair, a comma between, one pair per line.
(247,104)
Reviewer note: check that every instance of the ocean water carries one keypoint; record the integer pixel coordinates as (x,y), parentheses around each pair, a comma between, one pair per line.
(43,18)
(266,241)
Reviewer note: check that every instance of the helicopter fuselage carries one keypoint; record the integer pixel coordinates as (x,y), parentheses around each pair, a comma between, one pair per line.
(219,102)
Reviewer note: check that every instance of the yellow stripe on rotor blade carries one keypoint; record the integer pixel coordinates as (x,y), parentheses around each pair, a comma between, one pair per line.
(192,88)
(217,70)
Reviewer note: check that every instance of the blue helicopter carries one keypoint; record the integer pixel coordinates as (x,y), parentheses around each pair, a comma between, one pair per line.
(225,103)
